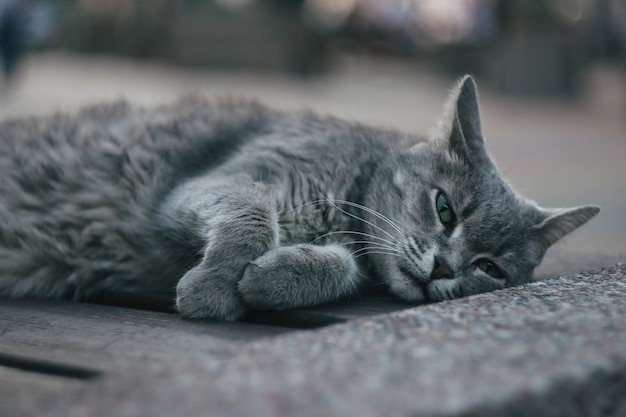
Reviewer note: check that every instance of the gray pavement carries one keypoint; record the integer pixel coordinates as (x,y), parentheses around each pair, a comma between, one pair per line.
(550,348)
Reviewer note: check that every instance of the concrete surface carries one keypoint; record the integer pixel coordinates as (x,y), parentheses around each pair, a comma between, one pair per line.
(550,348)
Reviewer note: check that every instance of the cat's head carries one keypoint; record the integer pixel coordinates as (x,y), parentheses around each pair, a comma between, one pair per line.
(454,226)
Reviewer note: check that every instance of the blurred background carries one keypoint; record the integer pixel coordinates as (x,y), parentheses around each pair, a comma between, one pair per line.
(552,74)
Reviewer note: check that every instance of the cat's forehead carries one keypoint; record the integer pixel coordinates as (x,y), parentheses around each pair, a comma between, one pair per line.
(478,193)
(490,201)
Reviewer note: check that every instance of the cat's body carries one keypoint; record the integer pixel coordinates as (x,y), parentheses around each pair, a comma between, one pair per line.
(235,206)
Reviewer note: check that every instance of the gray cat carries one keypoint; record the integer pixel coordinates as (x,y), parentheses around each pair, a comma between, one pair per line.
(236,206)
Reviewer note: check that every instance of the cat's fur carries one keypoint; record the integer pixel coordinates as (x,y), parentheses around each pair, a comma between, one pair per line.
(236,206)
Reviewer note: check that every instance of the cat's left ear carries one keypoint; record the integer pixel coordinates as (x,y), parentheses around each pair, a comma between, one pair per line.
(461,124)
(561,222)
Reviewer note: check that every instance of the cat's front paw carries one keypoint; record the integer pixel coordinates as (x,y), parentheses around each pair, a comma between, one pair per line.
(298,276)
(199,294)
(259,288)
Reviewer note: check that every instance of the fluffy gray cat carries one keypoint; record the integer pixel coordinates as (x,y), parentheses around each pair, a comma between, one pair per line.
(236,206)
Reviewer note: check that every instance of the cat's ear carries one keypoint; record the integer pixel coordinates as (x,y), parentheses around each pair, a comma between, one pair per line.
(561,222)
(461,124)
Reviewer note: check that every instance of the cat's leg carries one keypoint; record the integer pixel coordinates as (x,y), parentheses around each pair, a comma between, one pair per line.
(299,276)
(239,224)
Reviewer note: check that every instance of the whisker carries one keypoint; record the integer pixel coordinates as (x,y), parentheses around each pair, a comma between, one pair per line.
(370,244)
(349,203)
(361,219)
(356,205)
(351,232)
(375,252)
(378,247)
(372,212)
(382,247)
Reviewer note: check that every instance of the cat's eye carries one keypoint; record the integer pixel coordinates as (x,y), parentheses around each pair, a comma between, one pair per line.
(446,214)
(489,268)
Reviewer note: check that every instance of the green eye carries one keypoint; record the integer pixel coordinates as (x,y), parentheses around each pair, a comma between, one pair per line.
(489,268)
(446,214)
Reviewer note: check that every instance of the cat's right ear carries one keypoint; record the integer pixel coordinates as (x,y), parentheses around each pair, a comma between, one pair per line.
(561,222)
(460,124)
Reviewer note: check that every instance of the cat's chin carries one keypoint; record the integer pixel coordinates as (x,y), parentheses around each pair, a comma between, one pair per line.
(407,288)
(410,291)
(411,287)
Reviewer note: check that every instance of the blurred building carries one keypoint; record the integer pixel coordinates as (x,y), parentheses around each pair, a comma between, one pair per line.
(533,47)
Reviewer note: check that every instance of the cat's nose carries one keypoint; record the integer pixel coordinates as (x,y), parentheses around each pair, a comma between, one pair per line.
(441,270)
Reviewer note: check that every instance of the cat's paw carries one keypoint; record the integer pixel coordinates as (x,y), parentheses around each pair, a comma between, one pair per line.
(258,287)
(298,276)
(201,295)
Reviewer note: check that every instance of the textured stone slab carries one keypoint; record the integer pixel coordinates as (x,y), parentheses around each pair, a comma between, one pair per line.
(90,336)
(556,347)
